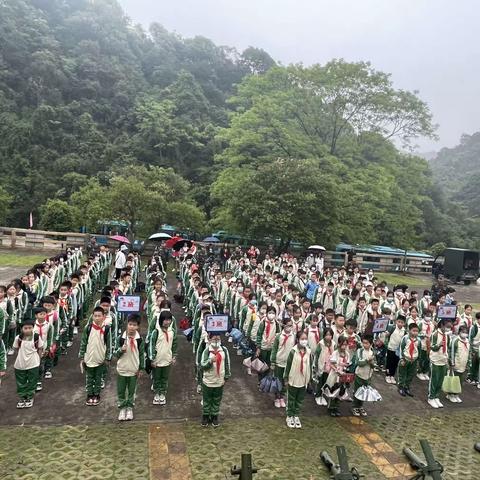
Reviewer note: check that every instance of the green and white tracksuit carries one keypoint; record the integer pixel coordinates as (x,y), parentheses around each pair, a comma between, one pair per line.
(129,363)
(474,339)
(95,349)
(282,345)
(460,357)
(162,348)
(407,367)
(363,372)
(215,364)
(27,364)
(439,351)
(298,373)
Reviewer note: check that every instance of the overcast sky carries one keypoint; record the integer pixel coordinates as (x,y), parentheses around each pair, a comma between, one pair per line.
(427,45)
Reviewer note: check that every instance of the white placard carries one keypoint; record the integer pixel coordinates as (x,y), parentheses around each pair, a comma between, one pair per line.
(128,303)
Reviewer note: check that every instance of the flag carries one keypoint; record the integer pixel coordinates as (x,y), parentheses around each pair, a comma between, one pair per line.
(31,219)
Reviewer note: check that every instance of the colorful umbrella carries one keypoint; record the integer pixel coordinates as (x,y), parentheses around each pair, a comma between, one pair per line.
(171,242)
(120,238)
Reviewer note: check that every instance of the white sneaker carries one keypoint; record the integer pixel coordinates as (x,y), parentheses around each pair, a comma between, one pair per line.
(393,381)
(48,374)
(122,415)
(129,414)
(459,400)
(102,384)
(318,400)
(290,422)
(420,376)
(478,385)
(39,387)
(324,402)
(69,344)
(432,403)
(249,371)
(75,330)
(277,403)
(426,376)
(239,352)
(199,389)
(439,403)
(29,403)
(156,399)
(388,379)
(162,399)
(21,403)
(451,398)
(282,403)
(297,422)
(11,351)
(230,339)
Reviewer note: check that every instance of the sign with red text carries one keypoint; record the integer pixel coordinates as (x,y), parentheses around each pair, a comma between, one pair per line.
(128,303)
(217,323)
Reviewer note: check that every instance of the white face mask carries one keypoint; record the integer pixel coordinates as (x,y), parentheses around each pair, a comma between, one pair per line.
(240,289)
(463,335)
(271,316)
(303,343)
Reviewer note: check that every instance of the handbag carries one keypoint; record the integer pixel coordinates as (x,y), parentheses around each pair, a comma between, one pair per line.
(259,366)
(276,385)
(451,384)
(265,384)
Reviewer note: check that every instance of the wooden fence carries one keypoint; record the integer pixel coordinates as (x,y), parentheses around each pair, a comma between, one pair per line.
(22,238)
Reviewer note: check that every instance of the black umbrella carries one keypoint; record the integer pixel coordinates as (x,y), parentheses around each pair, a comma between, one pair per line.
(181,243)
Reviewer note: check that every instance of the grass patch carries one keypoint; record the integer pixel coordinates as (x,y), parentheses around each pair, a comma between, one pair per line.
(19,259)
(410,280)
(110,452)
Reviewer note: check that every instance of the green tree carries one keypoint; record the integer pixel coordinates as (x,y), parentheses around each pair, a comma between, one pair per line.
(5,200)
(57,215)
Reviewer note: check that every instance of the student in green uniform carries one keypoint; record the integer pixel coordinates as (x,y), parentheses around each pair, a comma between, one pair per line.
(439,360)
(95,350)
(215,364)
(297,376)
(365,361)
(30,350)
(459,358)
(131,361)
(162,352)
(407,366)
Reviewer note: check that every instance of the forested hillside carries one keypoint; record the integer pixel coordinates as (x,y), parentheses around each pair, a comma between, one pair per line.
(100,119)
(457,171)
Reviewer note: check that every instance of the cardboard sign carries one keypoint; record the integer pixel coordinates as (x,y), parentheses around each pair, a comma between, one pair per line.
(380,325)
(128,303)
(217,323)
(447,312)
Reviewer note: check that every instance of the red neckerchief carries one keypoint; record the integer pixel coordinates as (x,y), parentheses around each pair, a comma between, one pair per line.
(411,348)
(40,326)
(62,302)
(100,329)
(132,343)
(465,343)
(218,359)
(302,355)
(165,332)
(268,326)
(47,317)
(444,343)
(316,333)
(429,327)
(285,338)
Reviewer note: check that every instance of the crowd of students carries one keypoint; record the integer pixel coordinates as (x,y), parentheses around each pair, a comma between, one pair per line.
(315,329)
(41,313)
